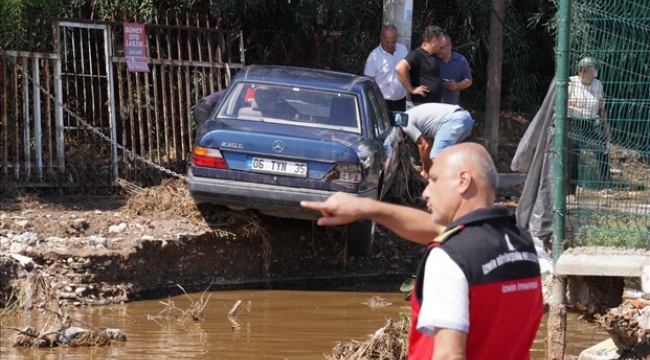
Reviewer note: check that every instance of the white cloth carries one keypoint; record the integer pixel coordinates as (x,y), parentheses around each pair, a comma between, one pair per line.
(446,304)
(426,119)
(588,98)
(381,66)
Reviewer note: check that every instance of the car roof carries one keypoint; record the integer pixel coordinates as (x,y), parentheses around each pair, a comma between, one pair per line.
(299,76)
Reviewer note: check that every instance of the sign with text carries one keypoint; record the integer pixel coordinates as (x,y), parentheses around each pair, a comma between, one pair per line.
(135,47)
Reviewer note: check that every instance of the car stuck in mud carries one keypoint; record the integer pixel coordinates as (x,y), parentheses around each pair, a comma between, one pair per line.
(282,135)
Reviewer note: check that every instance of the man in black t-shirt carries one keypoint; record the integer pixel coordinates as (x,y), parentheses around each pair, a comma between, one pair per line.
(419,71)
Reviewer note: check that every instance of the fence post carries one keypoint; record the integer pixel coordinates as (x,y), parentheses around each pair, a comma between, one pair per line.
(556,323)
(58,110)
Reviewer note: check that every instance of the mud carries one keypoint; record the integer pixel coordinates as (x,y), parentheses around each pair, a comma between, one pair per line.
(101,250)
(94,250)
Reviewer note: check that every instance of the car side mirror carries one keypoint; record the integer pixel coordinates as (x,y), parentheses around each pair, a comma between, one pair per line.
(399,118)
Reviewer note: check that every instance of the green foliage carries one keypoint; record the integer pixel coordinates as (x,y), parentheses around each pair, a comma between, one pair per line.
(334,34)
(615,232)
(407,287)
(11,26)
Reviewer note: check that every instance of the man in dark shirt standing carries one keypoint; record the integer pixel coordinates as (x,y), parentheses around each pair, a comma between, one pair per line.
(419,71)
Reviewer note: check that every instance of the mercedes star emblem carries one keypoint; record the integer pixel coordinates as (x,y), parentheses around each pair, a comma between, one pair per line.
(278,146)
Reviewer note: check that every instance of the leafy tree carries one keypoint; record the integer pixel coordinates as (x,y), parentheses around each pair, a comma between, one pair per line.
(335,34)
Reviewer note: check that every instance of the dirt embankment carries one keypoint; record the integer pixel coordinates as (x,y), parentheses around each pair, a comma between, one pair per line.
(105,250)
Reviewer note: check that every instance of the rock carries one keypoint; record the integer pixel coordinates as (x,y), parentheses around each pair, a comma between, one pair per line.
(26,237)
(23,224)
(77,266)
(87,263)
(80,291)
(79,224)
(107,263)
(55,239)
(147,237)
(67,295)
(98,240)
(68,334)
(17,248)
(116,229)
(70,260)
(25,261)
(115,334)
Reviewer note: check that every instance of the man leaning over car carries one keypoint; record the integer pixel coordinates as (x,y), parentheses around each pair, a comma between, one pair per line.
(436,126)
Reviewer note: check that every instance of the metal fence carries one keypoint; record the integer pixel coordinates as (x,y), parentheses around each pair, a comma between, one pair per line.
(73,114)
(608,123)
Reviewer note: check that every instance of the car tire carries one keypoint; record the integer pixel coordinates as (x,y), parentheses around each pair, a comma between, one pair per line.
(359,237)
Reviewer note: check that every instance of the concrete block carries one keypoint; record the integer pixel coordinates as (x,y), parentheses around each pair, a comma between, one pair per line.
(601,265)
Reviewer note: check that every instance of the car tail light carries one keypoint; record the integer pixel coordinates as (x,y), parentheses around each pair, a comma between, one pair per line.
(349,173)
(208,158)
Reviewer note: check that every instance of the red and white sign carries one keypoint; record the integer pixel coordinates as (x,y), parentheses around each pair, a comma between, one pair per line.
(135,47)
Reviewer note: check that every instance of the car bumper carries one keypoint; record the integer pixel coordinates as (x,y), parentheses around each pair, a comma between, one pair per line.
(280,201)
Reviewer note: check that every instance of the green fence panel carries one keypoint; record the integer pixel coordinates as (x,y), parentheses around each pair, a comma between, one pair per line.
(608,132)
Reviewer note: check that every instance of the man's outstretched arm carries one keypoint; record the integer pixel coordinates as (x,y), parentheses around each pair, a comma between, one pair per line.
(341,208)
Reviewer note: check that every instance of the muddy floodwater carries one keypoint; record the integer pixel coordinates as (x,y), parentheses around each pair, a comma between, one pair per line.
(271,324)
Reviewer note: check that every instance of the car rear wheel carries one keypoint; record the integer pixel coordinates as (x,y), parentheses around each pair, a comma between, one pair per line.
(359,237)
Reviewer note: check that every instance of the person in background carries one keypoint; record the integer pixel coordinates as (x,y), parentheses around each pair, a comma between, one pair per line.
(454,70)
(419,71)
(478,291)
(436,126)
(205,106)
(588,130)
(381,63)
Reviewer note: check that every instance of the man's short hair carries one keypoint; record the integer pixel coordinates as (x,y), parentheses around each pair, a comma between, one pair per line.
(390,27)
(432,32)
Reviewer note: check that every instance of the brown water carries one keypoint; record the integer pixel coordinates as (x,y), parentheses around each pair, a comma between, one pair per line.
(280,325)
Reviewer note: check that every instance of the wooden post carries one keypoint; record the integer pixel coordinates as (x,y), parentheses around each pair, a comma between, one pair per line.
(556,320)
(495,60)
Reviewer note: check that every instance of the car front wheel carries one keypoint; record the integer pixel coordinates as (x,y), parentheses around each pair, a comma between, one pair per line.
(359,238)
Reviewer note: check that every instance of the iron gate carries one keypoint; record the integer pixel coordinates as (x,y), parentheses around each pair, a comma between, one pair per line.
(75,115)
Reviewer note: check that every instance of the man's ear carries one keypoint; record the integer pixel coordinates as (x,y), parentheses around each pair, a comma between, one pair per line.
(464,180)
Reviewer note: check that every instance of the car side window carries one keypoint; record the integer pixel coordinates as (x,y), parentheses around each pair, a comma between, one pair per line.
(375,117)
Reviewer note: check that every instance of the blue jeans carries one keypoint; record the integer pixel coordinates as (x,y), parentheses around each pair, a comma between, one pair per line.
(455,129)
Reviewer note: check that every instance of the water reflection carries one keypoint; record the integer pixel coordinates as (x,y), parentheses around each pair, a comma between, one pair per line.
(280,325)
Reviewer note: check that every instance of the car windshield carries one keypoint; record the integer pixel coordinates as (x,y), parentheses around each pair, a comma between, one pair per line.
(292,105)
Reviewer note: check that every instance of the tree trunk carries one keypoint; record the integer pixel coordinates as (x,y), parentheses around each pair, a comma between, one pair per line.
(493,97)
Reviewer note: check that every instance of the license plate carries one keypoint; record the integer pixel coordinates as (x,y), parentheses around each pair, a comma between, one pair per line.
(277,166)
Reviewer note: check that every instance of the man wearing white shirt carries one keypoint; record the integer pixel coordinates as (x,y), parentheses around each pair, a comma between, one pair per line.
(588,130)
(381,66)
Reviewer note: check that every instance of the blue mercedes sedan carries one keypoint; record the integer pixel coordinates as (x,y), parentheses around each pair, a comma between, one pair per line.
(282,134)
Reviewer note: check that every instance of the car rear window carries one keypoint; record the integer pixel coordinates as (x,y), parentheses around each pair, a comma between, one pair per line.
(292,105)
